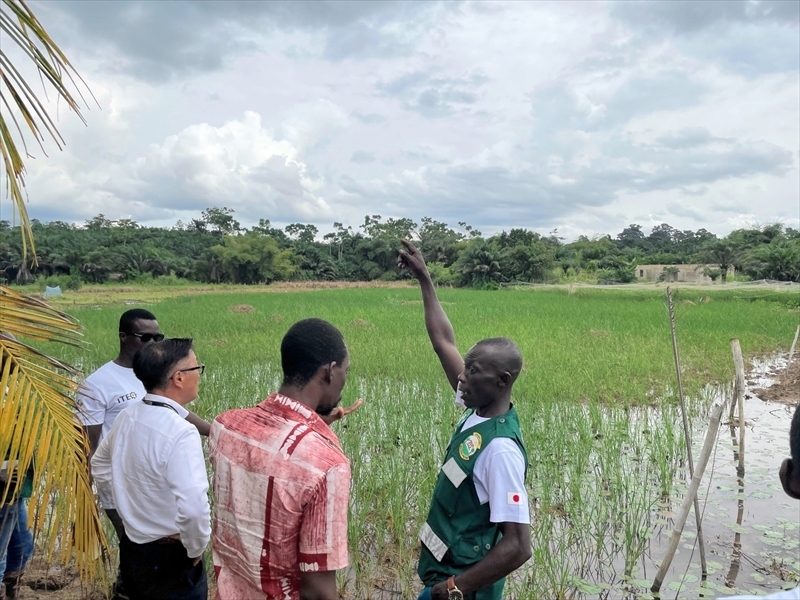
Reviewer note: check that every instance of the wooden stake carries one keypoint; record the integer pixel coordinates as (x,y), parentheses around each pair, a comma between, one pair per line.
(738,362)
(794,343)
(675,538)
(687,435)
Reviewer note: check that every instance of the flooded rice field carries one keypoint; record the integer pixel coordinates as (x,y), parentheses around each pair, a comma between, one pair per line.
(751,528)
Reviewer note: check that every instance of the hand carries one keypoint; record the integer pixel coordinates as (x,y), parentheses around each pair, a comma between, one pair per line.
(411,259)
(340,412)
(197,560)
(439,591)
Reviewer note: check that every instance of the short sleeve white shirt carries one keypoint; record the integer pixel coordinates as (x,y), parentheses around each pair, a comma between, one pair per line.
(499,476)
(105,393)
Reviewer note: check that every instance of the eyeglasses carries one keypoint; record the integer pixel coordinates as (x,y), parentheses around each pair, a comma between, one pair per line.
(200,368)
(146,337)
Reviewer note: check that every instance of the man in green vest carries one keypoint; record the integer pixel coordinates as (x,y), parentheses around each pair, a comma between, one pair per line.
(478,526)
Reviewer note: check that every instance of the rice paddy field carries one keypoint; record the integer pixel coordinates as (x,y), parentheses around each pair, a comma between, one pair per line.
(599,414)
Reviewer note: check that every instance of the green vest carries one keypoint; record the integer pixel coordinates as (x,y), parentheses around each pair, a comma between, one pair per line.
(458,532)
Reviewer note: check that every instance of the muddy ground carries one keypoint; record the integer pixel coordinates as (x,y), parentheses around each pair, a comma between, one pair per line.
(43,582)
(786,388)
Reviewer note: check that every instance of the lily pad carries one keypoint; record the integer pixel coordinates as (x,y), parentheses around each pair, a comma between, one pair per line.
(760,494)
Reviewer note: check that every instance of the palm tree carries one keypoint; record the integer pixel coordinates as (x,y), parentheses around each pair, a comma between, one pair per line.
(480,265)
(723,253)
(37,422)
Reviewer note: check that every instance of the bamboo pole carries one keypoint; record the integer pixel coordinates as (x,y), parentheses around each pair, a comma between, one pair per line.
(675,538)
(736,556)
(794,343)
(687,435)
(738,362)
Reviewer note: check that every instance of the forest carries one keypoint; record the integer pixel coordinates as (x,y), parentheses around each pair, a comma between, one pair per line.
(215,248)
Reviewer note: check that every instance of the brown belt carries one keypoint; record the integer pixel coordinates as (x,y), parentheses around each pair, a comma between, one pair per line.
(167,540)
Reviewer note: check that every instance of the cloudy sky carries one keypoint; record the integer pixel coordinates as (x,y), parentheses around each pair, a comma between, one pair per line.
(582,117)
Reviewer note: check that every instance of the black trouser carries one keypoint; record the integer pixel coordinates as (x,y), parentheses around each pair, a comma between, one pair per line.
(118,591)
(161,570)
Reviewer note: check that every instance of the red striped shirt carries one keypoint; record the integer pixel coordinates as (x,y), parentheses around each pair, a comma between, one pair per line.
(281,485)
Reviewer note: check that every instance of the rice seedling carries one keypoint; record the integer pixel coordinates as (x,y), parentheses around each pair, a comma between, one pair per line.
(595,398)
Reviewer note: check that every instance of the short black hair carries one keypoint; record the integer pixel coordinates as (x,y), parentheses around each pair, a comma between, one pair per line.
(153,363)
(307,346)
(130,316)
(505,352)
(794,444)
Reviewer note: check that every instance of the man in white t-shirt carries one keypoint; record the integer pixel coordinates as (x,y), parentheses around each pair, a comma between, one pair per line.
(478,527)
(114,387)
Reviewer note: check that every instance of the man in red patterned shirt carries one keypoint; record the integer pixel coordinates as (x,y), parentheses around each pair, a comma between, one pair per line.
(281,480)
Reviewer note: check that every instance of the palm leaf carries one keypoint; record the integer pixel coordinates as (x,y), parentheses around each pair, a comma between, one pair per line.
(18,24)
(38,428)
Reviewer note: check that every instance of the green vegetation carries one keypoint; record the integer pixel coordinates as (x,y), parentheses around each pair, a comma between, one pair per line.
(598,414)
(215,248)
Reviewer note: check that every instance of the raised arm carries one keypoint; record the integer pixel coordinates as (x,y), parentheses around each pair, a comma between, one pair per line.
(440,331)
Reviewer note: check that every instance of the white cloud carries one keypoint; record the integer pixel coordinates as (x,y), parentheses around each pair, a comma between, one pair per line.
(239,164)
(581,116)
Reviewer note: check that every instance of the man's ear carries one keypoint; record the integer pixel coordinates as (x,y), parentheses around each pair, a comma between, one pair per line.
(504,380)
(177,379)
(327,371)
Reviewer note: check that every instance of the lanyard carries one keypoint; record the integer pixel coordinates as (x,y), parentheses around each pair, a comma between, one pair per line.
(157,403)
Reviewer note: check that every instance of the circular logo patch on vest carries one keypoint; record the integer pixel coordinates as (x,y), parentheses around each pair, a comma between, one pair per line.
(470,446)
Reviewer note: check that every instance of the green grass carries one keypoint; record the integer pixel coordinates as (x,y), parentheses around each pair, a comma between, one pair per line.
(595,401)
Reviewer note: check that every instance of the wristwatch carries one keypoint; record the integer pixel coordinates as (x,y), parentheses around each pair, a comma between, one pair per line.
(453,593)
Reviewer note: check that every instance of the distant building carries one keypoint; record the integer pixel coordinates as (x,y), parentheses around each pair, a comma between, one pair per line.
(680,273)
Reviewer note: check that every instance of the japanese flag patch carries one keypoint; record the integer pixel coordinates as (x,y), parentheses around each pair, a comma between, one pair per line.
(514,497)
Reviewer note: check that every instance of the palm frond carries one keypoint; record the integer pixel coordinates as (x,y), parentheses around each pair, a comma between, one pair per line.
(38,429)
(18,24)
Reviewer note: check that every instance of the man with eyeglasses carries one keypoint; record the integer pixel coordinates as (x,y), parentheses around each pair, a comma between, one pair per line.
(151,463)
(113,387)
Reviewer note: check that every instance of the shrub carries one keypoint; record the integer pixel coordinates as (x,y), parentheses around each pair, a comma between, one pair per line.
(443,276)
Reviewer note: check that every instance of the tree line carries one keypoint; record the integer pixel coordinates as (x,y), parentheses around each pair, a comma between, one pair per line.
(215,248)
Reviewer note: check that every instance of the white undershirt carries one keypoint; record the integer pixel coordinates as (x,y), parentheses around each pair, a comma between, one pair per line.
(105,393)
(151,463)
(499,476)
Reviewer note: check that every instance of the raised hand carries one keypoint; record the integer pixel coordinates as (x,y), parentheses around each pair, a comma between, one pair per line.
(411,258)
(341,412)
